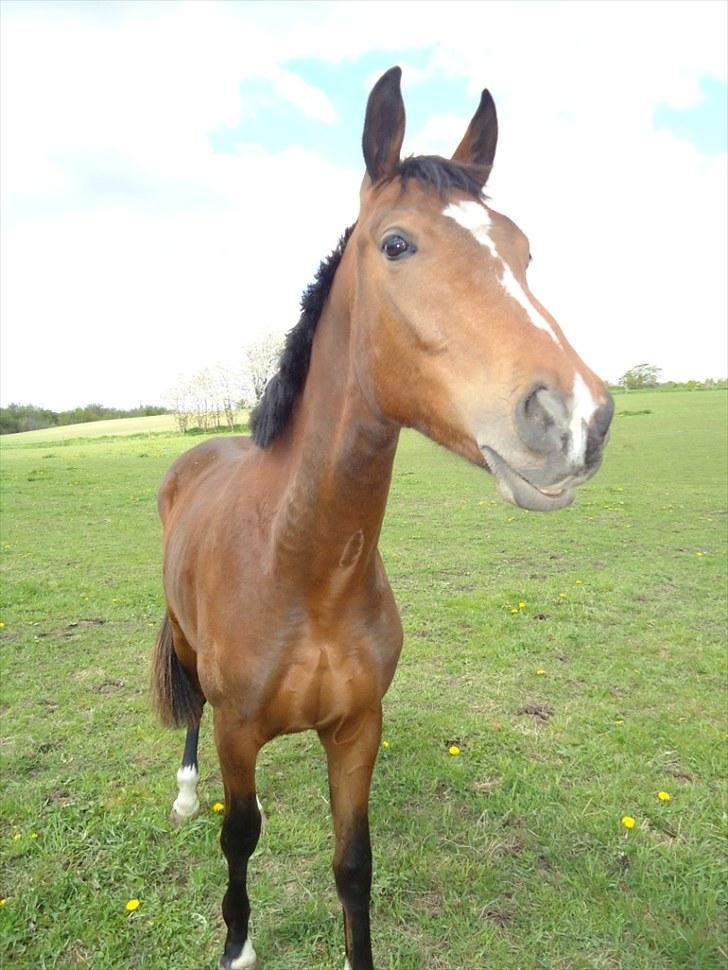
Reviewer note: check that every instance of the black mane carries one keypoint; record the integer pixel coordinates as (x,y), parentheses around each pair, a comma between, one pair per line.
(272,412)
(274,409)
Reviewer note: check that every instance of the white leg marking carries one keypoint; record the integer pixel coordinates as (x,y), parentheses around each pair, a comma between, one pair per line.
(347,965)
(186,804)
(247,959)
(475,217)
(583,408)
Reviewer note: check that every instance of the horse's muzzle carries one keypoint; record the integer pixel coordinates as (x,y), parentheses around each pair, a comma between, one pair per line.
(569,442)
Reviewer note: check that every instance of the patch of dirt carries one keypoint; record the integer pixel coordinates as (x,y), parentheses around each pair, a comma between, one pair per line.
(681,775)
(72,628)
(453,742)
(486,785)
(60,797)
(541,712)
(502,848)
(496,914)
(107,687)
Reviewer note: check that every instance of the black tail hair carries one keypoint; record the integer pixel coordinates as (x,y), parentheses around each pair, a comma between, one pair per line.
(174,698)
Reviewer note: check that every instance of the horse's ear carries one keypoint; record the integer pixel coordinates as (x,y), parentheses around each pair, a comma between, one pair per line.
(384,126)
(478,144)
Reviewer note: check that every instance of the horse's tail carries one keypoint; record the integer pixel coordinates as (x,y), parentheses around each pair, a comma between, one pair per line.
(174,698)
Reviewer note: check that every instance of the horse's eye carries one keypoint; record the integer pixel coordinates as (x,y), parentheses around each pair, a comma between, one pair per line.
(395,246)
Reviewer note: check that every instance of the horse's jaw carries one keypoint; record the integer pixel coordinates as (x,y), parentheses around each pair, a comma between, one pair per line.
(519,491)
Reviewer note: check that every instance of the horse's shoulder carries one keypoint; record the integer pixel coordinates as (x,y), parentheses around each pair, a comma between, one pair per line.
(199,462)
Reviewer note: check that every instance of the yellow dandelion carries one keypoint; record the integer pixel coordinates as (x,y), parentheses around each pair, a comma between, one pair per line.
(2,902)
(454,750)
(132,905)
(628,822)
(619,720)
(540,672)
(514,610)
(562,596)
(521,605)
(385,744)
(663,796)
(218,807)
(580,582)
(699,553)
(34,835)
(2,626)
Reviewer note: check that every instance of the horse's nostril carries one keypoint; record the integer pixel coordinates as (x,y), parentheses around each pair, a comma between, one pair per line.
(603,417)
(543,420)
(598,427)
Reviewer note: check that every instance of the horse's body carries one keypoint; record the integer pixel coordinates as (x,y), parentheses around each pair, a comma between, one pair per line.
(279,610)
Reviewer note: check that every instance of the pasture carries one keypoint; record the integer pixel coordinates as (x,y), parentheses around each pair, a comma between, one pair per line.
(576,660)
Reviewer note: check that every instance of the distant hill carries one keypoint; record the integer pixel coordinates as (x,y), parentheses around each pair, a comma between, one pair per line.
(17,418)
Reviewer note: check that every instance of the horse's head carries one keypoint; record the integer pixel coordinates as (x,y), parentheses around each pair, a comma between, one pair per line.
(451,340)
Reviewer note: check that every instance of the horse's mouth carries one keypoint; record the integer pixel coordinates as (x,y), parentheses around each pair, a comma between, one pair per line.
(519,491)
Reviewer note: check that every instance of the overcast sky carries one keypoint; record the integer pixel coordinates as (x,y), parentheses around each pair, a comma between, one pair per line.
(172,173)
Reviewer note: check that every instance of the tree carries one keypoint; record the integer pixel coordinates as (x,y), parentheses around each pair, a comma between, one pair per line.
(178,399)
(262,362)
(641,375)
(230,389)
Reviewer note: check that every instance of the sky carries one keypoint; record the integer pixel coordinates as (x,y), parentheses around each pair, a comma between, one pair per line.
(172,173)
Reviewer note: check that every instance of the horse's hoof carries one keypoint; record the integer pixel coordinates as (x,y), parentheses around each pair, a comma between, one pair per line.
(179,818)
(245,959)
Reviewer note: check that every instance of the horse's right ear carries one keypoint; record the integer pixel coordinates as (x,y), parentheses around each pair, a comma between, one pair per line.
(384,126)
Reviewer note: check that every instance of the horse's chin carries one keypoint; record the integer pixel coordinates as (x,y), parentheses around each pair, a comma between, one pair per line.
(519,491)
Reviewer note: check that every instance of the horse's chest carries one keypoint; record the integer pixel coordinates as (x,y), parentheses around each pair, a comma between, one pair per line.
(303,675)
(322,684)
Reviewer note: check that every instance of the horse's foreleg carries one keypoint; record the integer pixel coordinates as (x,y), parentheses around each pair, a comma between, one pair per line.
(351,751)
(239,837)
(187,804)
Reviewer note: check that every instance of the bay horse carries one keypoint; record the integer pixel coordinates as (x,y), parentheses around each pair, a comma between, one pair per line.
(279,612)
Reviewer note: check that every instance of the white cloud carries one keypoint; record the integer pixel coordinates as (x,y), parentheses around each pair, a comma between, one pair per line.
(312,102)
(131,251)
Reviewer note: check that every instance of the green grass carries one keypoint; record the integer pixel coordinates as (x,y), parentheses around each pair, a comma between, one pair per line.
(152,424)
(510,856)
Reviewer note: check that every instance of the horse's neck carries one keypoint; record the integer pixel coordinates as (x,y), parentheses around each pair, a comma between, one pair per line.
(340,465)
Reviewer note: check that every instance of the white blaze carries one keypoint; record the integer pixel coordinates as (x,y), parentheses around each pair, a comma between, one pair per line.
(475,218)
(584,407)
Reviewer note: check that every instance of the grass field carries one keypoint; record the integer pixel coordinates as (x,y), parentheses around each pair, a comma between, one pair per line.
(577,660)
(152,424)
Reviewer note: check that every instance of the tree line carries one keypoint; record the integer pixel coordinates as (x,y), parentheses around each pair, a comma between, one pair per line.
(28,417)
(648,375)
(207,401)
(211,399)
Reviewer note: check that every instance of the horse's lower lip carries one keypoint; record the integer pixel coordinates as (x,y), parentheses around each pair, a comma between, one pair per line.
(518,490)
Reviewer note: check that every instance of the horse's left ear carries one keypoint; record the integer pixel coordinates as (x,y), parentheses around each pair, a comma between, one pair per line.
(384,126)
(478,144)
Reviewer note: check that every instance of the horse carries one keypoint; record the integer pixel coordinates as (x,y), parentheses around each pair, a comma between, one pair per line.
(279,612)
